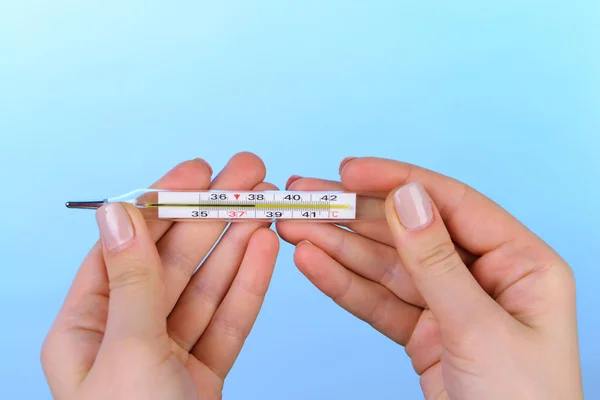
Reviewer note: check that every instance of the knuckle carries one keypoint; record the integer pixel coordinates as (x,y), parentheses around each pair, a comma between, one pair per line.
(567,281)
(442,395)
(340,296)
(390,264)
(178,344)
(238,237)
(377,315)
(339,242)
(202,291)
(175,259)
(89,314)
(388,275)
(251,288)
(129,276)
(46,352)
(476,338)
(229,328)
(440,258)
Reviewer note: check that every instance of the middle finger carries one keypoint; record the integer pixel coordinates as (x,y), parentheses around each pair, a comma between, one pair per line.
(186,244)
(209,285)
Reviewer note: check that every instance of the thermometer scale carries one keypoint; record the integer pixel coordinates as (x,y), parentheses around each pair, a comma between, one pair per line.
(232,206)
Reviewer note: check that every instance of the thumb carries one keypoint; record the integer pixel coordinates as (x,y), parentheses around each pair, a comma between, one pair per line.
(136,304)
(428,253)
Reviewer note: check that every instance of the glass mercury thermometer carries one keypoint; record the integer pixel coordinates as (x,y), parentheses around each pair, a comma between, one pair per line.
(232,206)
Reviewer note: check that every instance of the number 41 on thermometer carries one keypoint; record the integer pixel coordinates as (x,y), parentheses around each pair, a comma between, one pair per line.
(233,206)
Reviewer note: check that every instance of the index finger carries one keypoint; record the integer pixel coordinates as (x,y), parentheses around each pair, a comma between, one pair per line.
(72,344)
(190,175)
(475,222)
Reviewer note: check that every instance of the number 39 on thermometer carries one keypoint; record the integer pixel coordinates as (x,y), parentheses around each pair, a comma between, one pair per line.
(252,205)
(221,205)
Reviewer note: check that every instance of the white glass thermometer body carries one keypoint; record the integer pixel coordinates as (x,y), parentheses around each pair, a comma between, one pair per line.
(235,206)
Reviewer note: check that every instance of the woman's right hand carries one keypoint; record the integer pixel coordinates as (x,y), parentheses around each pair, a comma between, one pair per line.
(142,320)
(485,308)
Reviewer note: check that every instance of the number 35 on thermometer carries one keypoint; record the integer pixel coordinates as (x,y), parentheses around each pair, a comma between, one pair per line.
(249,205)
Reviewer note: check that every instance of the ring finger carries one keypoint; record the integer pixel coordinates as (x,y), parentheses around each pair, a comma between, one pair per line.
(371,260)
(209,285)
(367,300)
(186,244)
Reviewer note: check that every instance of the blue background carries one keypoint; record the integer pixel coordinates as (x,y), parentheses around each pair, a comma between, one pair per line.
(97,98)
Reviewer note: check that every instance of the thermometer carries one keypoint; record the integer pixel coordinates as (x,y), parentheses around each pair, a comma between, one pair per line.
(235,206)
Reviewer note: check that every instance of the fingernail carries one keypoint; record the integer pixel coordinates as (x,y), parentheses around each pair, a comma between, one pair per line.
(116,229)
(303,242)
(207,165)
(413,206)
(291,180)
(344,162)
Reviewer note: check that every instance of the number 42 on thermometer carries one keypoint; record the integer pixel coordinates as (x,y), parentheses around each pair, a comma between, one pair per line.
(231,206)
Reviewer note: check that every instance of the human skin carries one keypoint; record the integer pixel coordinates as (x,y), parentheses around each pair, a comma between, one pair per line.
(139,322)
(484,308)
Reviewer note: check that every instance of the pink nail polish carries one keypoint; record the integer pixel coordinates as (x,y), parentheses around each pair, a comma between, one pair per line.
(116,229)
(344,162)
(291,180)
(413,206)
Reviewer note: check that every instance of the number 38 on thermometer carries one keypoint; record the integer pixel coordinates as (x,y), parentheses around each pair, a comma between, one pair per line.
(249,205)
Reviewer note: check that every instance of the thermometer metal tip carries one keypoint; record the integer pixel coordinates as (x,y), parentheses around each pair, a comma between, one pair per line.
(85,204)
